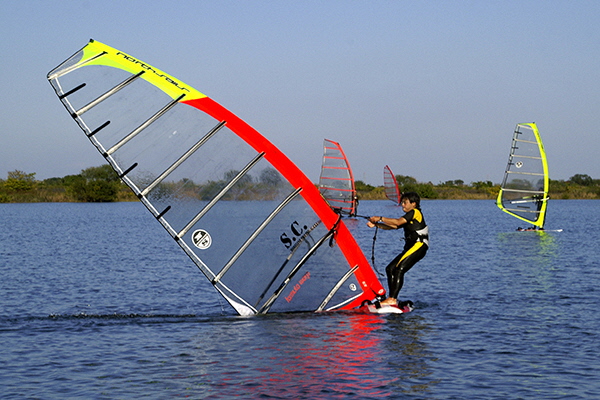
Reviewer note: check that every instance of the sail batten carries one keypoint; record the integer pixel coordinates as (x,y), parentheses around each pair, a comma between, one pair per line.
(57,73)
(293,251)
(75,89)
(524,173)
(109,93)
(128,170)
(184,157)
(222,193)
(529,157)
(267,306)
(517,140)
(143,126)
(335,288)
(524,189)
(255,234)
(98,129)
(242,211)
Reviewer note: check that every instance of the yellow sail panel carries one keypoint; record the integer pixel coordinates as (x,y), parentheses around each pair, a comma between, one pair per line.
(524,190)
(96,53)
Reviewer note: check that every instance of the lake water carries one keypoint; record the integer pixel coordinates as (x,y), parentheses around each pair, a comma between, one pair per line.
(97,301)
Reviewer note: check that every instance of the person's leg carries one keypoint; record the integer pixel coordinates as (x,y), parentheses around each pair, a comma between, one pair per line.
(400,266)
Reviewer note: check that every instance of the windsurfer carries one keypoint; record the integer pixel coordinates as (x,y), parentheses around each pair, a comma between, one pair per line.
(416,236)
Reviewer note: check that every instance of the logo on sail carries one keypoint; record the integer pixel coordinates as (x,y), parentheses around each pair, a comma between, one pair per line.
(201,239)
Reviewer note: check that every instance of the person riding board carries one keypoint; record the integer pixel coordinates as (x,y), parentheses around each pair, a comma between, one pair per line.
(416,236)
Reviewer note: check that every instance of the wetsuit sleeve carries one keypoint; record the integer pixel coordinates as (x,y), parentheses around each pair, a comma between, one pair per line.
(409,216)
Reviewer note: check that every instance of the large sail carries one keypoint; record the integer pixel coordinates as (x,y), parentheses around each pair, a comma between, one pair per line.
(337,182)
(251,221)
(392,191)
(524,190)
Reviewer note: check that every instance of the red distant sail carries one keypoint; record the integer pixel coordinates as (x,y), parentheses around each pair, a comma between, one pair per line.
(392,191)
(337,182)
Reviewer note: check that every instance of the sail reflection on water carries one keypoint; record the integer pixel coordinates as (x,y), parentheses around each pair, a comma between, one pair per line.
(359,355)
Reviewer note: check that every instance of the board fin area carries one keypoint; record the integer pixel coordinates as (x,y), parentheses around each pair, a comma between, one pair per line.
(402,308)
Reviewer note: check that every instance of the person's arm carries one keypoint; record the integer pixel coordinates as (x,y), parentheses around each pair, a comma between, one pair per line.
(386,223)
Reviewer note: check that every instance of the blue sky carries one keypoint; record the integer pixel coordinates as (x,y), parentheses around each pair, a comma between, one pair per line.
(434,89)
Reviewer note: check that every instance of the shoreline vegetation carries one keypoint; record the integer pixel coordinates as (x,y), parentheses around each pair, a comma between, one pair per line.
(101,184)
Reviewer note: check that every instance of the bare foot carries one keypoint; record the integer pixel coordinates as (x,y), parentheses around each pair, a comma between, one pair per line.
(389,302)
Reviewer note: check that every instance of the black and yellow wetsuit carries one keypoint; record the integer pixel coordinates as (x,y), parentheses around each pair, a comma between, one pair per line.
(416,236)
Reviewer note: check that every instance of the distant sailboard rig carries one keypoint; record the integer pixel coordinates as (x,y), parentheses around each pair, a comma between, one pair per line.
(336,182)
(390,184)
(524,190)
(249,219)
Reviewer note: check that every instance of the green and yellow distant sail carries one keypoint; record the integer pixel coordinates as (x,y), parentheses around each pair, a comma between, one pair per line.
(524,190)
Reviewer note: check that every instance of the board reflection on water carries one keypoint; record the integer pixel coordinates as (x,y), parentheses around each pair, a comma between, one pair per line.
(308,356)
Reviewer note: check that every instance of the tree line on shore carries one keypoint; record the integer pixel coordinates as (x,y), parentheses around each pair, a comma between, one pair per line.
(101,184)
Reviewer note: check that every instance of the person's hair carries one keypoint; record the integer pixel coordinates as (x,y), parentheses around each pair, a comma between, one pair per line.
(413,197)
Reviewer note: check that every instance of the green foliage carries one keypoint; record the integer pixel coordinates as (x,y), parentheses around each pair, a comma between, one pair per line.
(229,175)
(582,179)
(425,190)
(101,173)
(363,187)
(520,184)
(482,185)
(270,177)
(405,181)
(95,191)
(410,184)
(20,181)
(54,182)
(457,182)
(101,184)
(95,185)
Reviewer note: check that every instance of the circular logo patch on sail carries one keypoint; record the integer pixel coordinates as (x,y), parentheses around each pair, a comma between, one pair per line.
(519,164)
(352,287)
(201,239)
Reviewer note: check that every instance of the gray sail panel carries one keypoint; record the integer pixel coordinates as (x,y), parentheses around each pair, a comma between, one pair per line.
(175,184)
